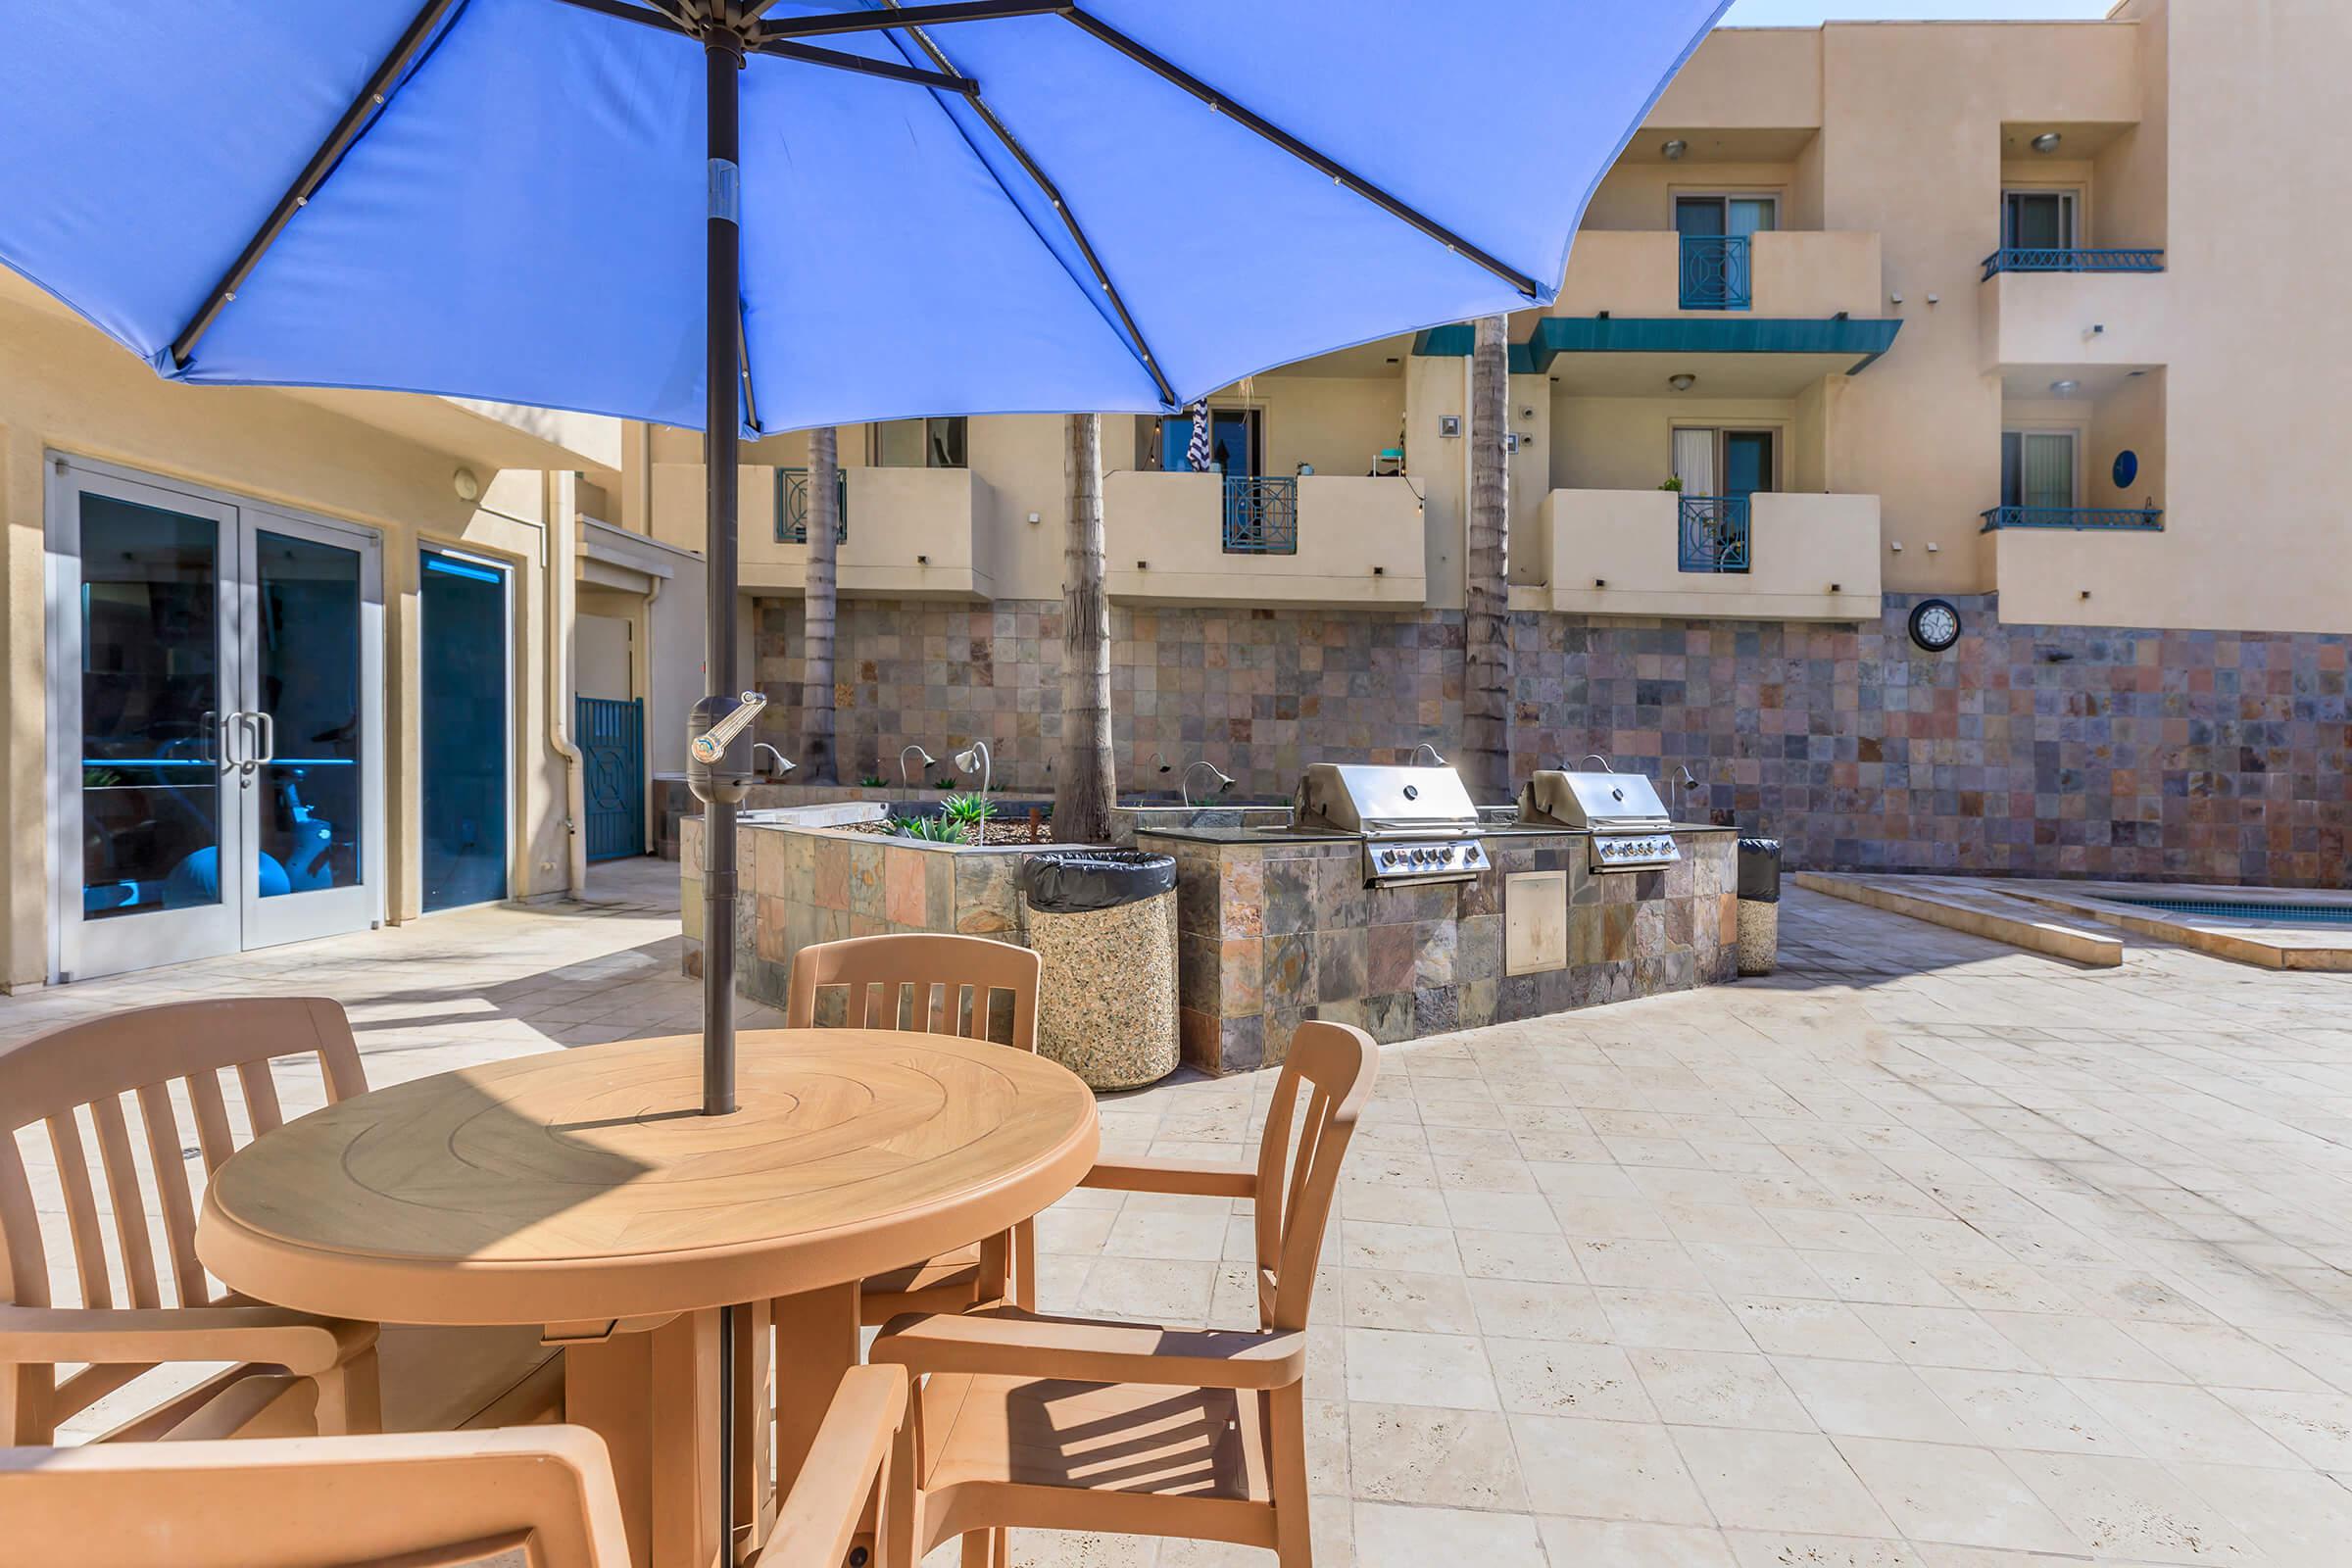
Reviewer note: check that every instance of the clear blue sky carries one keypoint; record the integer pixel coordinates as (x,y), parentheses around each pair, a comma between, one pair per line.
(1805,12)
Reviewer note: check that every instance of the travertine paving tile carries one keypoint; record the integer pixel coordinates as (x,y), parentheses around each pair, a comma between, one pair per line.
(1920,1254)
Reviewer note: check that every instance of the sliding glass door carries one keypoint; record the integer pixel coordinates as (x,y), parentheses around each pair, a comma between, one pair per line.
(213,718)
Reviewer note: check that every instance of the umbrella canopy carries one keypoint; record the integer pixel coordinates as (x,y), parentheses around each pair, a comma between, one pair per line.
(1119,206)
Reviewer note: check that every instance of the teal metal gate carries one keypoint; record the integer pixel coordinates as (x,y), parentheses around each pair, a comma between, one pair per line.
(612,741)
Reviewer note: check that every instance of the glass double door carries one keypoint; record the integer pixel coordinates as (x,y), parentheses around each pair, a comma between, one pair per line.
(216,722)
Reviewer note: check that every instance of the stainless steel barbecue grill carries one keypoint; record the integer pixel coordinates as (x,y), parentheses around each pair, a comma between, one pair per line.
(1418,823)
(1631,830)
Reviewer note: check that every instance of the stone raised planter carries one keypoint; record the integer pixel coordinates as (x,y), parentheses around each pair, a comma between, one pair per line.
(806,877)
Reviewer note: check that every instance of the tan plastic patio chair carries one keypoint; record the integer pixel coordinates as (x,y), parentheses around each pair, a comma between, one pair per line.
(1066,1423)
(418,1500)
(171,1060)
(940,985)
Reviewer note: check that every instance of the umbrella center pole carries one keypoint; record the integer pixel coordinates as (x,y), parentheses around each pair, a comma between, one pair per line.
(720,780)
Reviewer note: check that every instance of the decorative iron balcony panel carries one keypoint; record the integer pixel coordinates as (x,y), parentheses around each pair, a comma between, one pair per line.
(1714,534)
(792,506)
(2066,259)
(1261,515)
(1715,273)
(2133,519)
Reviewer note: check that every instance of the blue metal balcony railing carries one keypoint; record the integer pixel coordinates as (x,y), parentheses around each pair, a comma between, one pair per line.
(1714,534)
(1715,273)
(1262,515)
(792,506)
(2067,259)
(2136,520)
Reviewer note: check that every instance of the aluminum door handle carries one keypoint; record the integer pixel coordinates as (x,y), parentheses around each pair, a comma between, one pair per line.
(269,735)
(206,726)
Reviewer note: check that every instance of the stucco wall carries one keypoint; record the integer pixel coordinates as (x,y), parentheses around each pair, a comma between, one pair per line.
(64,388)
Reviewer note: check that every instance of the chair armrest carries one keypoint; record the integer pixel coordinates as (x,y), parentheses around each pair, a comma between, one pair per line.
(1007,1341)
(1146,1174)
(300,1342)
(819,1517)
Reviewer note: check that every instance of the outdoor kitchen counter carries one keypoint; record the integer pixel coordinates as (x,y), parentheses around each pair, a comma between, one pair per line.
(1276,926)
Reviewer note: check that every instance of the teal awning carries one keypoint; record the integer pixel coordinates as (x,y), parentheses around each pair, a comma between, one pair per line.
(1864,338)
(1456,342)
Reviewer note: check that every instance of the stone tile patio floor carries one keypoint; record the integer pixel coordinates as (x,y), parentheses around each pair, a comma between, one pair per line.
(1921,1253)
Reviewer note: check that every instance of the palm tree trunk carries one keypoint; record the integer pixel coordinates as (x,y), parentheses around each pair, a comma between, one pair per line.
(1083,783)
(817,762)
(1487,698)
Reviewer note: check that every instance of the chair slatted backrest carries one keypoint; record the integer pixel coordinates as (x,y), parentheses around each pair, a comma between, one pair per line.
(944,985)
(79,1075)
(1334,1065)
(409,1501)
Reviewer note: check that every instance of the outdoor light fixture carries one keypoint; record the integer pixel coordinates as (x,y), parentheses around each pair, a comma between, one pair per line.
(1673,149)
(2046,143)
(2065,388)
(1682,382)
(468,484)
(974,759)
(928,761)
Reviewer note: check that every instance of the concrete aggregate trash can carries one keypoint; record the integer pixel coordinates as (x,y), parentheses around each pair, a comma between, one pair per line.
(1104,924)
(1759,905)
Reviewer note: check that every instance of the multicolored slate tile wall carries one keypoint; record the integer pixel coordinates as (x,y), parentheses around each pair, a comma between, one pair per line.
(2190,755)
(1270,935)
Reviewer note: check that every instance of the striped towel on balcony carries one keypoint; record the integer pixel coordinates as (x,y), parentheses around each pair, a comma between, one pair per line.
(1196,454)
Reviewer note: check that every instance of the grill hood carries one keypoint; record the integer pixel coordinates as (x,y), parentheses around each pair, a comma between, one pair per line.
(1603,803)
(1367,798)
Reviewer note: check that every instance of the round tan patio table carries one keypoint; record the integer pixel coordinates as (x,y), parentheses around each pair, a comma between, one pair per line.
(582,1191)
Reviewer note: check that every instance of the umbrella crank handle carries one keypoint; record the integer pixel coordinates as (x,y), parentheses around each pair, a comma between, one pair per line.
(711,745)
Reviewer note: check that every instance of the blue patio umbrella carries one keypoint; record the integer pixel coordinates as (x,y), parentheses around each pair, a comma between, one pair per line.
(753,216)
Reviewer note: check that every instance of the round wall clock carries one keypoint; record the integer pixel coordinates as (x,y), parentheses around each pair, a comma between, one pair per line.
(2127,468)
(1936,624)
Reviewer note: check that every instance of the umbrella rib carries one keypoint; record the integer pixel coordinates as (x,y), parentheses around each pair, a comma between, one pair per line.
(807,53)
(905,17)
(660,19)
(1339,172)
(1070,220)
(355,119)
(743,359)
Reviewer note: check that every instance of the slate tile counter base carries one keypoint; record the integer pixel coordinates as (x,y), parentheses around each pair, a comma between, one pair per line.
(1273,930)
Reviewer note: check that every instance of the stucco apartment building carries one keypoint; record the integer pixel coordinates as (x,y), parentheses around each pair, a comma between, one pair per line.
(2034,322)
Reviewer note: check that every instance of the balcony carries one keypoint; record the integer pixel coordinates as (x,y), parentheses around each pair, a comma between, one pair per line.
(2134,520)
(2028,259)
(1769,556)
(1716,273)
(2048,310)
(1316,539)
(1785,273)
(913,533)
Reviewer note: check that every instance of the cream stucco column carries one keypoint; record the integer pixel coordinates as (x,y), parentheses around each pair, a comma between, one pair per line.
(23,742)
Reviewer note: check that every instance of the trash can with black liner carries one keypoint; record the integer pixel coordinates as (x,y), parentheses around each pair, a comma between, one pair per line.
(1104,924)
(1759,905)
